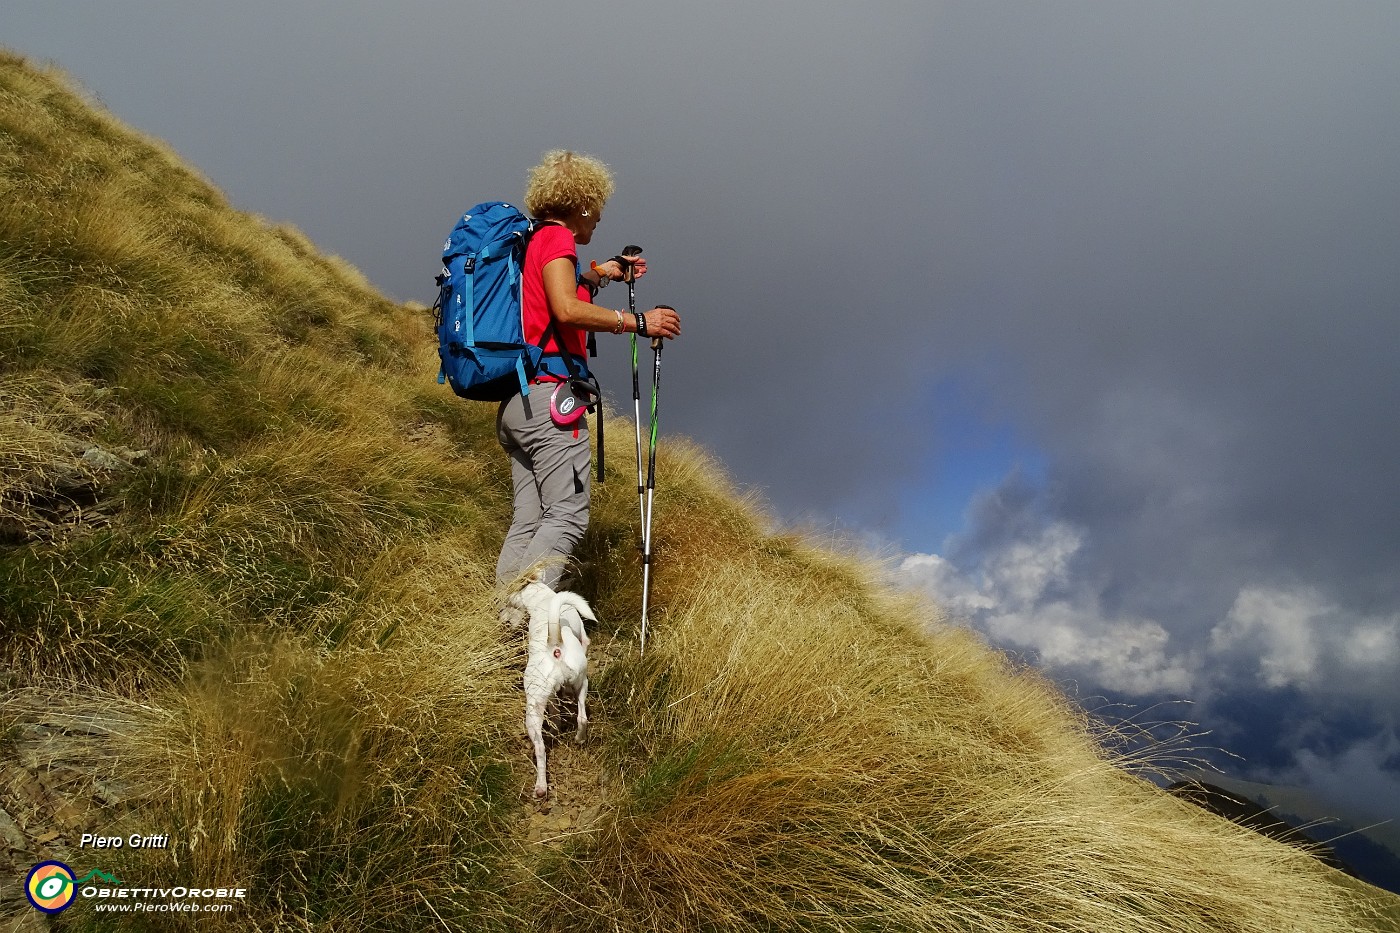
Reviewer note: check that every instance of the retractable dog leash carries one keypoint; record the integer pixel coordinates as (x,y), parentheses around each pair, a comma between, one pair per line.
(566,408)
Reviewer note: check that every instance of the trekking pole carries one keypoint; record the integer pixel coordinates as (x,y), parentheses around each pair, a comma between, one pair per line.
(651,483)
(628,253)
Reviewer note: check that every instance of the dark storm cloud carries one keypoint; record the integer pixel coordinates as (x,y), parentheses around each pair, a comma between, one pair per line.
(761,153)
(1208,363)
(1206,350)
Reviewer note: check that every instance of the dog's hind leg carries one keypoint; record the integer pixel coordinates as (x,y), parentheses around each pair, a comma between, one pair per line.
(582,711)
(534,725)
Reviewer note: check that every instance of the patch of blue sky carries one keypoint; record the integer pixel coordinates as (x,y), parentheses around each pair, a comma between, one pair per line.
(973,449)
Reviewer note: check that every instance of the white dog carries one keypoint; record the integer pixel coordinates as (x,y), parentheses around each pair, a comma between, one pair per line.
(558,659)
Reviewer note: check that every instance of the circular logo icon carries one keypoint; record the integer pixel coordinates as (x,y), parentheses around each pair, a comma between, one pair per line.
(50,887)
(565,407)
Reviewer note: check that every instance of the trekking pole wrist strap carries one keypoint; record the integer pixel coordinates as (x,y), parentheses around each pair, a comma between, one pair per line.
(641,324)
(625,264)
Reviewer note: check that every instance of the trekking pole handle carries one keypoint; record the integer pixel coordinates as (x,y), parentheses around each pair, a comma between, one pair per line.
(625,259)
(656,341)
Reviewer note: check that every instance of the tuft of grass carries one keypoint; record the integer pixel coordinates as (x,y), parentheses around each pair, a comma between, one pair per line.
(346,786)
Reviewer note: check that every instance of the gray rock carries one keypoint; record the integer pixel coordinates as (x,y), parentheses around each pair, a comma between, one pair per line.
(105,460)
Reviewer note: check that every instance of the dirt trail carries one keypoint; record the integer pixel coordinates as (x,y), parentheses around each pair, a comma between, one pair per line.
(579,784)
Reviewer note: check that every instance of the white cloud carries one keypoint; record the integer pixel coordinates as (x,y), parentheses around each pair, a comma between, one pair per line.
(1022,572)
(957,594)
(1297,637)
(1279,626)
(1373,645)
(1012,604)
(1126,655)
(1026,595)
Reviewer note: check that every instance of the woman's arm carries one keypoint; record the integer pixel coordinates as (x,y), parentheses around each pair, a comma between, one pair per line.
(561,290)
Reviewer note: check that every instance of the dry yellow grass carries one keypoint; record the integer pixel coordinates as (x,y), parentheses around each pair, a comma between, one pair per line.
(284,630)
(807,759)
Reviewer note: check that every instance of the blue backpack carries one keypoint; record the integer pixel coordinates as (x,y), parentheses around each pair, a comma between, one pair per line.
(480,329)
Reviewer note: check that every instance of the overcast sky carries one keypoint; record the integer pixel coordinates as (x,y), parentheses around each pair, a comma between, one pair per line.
(1087,312)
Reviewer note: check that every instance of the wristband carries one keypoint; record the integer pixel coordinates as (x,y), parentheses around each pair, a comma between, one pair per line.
(641,324)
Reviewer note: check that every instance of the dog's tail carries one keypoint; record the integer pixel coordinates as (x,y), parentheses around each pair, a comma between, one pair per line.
(556,607)
(566,598)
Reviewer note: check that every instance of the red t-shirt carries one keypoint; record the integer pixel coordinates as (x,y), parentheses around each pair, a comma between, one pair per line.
(550,242)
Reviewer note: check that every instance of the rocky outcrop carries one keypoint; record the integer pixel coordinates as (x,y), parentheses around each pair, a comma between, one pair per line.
(69,490)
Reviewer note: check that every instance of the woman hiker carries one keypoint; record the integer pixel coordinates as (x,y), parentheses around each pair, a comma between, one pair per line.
(549,463)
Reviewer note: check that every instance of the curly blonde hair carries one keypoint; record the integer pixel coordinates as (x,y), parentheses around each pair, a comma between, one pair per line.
(565,182)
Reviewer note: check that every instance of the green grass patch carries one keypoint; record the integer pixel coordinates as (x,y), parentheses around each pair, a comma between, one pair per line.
(93,614)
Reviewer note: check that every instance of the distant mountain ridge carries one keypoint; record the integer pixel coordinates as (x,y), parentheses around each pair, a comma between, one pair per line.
(1371,851)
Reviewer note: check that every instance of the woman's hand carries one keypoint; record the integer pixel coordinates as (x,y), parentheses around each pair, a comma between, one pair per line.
(614,270)
(663,321)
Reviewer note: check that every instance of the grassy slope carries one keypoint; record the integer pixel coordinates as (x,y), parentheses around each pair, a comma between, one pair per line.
(282,614)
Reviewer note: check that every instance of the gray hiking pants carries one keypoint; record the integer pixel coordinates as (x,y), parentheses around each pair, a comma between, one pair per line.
(549,470)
